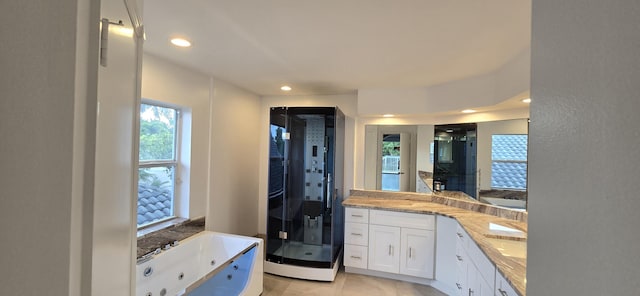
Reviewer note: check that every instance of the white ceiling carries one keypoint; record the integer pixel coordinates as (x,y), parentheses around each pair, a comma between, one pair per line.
(339,46)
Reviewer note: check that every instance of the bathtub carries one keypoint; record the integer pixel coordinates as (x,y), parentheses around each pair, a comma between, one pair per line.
(208,263)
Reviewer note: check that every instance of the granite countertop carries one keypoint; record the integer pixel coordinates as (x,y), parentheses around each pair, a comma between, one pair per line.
(474,220)
(158,239)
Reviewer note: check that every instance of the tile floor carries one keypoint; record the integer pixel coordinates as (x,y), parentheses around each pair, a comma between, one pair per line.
(346,284)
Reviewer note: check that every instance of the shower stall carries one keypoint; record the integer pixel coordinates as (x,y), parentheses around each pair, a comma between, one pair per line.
(305,215)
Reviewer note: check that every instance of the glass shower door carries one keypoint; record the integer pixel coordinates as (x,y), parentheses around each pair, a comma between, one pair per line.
(301,203)
(308,180)
(276,205)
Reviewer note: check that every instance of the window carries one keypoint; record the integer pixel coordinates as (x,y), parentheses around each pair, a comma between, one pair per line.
(509,162)
(157,163)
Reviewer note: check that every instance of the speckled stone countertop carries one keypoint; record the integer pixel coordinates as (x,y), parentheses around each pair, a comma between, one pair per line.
(448,198)
(474,219)
(158,239)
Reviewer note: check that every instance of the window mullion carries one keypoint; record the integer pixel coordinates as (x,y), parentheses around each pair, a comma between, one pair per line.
(150,164)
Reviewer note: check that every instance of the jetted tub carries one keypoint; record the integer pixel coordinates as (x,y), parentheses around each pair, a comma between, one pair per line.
(208,263)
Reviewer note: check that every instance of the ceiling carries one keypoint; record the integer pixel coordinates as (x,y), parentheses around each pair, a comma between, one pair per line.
(338,46)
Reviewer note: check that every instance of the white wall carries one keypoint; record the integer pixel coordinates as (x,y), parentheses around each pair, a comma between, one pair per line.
(509,81)
(225,127)
(484,132)
(423,157)
(169,83)
(584,143)
(346,103)
(234,164)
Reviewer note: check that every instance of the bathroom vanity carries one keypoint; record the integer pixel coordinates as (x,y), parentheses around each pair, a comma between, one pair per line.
(456,246)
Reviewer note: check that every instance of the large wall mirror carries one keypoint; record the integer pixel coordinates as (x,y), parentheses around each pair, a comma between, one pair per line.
(404,158)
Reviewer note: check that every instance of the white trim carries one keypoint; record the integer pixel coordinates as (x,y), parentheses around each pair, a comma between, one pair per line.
(305,273)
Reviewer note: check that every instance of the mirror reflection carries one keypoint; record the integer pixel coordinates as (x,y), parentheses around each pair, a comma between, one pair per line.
(484,161)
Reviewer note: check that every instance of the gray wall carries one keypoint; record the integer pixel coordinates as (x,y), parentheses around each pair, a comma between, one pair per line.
(40,201)
(584,149)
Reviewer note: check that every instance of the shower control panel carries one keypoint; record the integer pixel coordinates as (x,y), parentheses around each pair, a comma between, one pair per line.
(314,159)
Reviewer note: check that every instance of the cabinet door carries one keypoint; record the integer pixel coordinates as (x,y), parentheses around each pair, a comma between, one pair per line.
(417,252)
(484,266)
(476,284)
(446,270)
(503,288)
(472,280)
(384,251)
(483,288)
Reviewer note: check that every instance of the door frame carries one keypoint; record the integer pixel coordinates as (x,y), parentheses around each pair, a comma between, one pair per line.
(377,132)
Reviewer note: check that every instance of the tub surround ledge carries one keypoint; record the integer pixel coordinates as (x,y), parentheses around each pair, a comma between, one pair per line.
(158,239)
(474,217)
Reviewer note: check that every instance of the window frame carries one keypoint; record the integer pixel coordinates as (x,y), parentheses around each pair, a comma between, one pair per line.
(174,163)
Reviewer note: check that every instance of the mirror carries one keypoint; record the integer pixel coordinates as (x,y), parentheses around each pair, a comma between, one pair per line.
(500,160)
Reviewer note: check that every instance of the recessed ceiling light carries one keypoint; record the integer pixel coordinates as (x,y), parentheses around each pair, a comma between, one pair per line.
(527,100)
(387,115)
(285,88)
(181,42)
(468,111)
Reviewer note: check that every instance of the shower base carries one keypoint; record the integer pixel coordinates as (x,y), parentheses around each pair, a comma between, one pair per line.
(301,251)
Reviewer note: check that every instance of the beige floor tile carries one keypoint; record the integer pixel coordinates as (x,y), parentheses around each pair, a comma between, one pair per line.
(345,284)
(310,288)
(274,285)
(411,289)
(356,285)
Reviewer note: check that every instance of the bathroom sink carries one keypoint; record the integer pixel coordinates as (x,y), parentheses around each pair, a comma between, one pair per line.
(500,231)
(511,242)
(509,247)
(499,227)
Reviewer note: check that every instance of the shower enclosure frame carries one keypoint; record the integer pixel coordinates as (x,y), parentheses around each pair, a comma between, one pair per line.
(305,227)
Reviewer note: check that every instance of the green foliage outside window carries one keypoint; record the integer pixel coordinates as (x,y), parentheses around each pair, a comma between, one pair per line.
(390,148)
(157,133)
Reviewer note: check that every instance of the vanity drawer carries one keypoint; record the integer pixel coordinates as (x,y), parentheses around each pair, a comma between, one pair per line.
(461,255)
(356,215)
(402,219)
(356,233)
(462,237)
(355,256)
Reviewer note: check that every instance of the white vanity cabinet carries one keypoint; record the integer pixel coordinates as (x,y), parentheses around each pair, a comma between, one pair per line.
(503,288)
(389,243)
(420,248)
(402,243)
(446,267)
(475,272)
(356,237)
(476,284)
(484,279)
